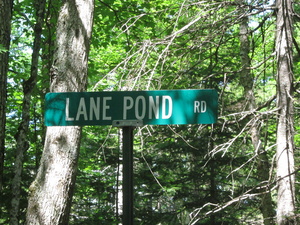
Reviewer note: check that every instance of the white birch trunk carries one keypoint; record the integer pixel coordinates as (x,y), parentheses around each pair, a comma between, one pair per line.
(247,81)
(51,192)
(285,130)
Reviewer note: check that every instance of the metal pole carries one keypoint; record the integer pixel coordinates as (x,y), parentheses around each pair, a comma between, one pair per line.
(127,175)
(127,139)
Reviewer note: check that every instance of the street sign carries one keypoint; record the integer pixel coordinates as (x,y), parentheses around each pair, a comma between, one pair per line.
(161,107)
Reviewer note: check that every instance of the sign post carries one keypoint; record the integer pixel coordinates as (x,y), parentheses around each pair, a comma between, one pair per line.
(127,175)
(127,110)
(127,148)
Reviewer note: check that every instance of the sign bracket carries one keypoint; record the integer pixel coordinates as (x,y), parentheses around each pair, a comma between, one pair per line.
(127,147)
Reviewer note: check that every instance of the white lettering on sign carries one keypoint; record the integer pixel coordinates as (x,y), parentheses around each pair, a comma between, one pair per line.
(81,110)
(128,104)
(154,107)
(68,118)
(140,106)
(105,108)
(140,103)
(94,109)
(199,106)
(166,98)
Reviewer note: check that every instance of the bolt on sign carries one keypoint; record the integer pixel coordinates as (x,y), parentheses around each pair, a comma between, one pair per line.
(163,107)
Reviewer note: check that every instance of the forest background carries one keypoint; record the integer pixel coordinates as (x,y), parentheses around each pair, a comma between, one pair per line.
(226,173)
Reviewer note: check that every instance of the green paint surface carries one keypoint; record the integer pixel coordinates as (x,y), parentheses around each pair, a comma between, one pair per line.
(163,107)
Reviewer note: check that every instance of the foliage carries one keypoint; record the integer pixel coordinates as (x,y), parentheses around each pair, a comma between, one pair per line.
(2,49)
(189,174)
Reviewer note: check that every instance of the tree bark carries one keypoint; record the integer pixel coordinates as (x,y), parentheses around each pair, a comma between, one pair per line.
(51,192)
(5,30)
(263,166)
(21,135)
(285,129)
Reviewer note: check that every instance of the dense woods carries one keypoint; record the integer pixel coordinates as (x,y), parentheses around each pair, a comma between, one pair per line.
(240,170)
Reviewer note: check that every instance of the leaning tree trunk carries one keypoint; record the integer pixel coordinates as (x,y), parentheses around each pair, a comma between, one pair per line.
(22,134)
(247,81)
(285,130)
(51,192)
(5,30)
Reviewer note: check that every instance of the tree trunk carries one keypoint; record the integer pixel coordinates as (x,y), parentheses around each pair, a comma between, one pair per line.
(21,135)
(262,159)
(51,192)
(285,130)
(5,30)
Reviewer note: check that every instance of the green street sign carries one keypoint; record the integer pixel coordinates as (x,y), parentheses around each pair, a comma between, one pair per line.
(161,107)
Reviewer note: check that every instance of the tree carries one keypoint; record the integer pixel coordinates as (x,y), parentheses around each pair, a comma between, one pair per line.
(51,192)
(6,7)
(247,82)
(285,128)
(21,136)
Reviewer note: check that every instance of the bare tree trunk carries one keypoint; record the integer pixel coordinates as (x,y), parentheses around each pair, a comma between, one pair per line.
(5,30)
(51,192)
(285,129)
(263,166)
(21,135)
